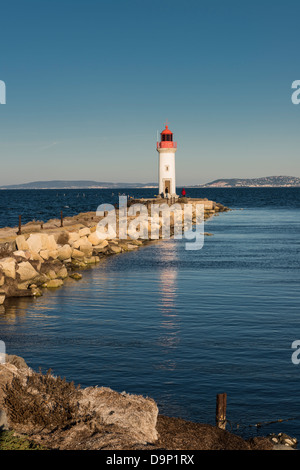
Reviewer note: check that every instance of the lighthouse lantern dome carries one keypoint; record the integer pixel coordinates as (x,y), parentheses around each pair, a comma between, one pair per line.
(166,135)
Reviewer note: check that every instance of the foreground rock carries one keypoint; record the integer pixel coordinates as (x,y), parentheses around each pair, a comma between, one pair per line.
(133,413)
(58,415)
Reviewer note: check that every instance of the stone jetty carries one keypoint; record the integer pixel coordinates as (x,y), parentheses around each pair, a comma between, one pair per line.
(45,255)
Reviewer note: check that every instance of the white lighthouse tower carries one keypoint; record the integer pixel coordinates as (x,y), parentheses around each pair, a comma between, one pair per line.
(166,173)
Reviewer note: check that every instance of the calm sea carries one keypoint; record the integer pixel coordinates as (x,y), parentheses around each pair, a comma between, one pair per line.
(179,326)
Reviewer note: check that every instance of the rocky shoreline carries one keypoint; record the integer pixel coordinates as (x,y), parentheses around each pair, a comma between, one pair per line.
(45,255)
(49,413)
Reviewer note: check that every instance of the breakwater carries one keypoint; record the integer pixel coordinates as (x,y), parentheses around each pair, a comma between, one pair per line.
(42,256)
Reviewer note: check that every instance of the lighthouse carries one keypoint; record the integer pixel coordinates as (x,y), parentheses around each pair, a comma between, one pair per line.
(166,166)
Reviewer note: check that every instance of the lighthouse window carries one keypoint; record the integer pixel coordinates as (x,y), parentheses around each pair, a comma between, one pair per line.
(167,167)
(167,137)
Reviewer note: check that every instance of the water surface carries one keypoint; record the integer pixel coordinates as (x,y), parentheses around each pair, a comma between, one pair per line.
(181,326)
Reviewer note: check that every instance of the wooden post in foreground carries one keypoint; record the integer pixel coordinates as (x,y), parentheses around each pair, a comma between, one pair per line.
(221,410)
(20,225)
(61,219)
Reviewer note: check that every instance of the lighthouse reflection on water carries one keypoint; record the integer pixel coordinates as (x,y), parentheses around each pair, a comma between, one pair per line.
(167,305)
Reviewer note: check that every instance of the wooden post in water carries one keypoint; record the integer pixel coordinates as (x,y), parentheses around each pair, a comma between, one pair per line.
(19,232)
(221,410)
(61,219)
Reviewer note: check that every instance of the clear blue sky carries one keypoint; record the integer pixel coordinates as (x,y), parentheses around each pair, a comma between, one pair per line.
(89,82)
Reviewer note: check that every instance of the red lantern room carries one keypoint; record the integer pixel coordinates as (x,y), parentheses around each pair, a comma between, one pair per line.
(166,139)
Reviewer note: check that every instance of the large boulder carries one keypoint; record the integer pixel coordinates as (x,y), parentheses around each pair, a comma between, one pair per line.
(133,413)
(86,250)
(41,279)
(73,237)
(50,243)
(94,239)
(53,284)
(35,243)
(84,245)
(41,241)
(26,271)
(53,254)
(64,252)
(8,267)
(22,243)
(84,232)
(62,273)
(44,254)
(76,276)
(52,274)
(82,242)
(77,254)
(101,246)
(36,257)
(115,249)
(21,254)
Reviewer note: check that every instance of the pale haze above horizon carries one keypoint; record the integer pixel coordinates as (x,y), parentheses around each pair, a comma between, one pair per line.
(89,84)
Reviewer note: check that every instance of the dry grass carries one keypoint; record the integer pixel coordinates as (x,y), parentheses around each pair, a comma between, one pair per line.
(63,238)
(43,400)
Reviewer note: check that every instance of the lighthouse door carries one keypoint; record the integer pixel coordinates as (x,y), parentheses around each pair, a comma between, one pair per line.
(167,186)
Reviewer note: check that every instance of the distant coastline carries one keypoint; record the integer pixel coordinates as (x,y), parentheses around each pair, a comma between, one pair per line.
(80,184)
(263,182)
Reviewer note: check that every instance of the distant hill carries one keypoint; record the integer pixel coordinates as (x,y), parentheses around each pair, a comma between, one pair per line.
(82,184)
(267,181)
